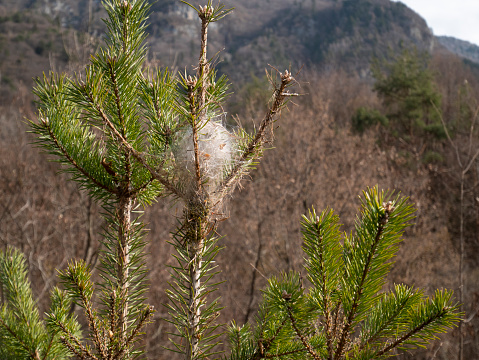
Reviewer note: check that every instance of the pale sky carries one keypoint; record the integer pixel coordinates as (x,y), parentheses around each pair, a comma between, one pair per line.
(457,18)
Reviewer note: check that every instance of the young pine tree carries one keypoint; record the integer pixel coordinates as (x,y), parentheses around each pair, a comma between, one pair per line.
(409,95)
(344,313)
(129,135)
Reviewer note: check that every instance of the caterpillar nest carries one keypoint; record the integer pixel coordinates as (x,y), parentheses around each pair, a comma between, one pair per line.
(217,149)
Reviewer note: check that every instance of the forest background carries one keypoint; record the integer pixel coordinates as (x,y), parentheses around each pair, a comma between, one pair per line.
(326,150)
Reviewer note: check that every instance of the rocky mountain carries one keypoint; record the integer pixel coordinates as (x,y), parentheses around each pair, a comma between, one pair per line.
(316,33)
(462,48)
(322,33)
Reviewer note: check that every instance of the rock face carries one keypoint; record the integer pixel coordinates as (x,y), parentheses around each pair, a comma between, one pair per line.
(68,13)
(325,33)
(462,48)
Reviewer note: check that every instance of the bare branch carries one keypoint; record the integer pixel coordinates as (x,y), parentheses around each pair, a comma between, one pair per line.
(471,162)
(448,135)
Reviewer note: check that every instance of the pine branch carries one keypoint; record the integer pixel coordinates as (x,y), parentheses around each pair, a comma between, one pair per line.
(34,354)
(145,317)
(188,294)
(402,300)
(194,311)
(92,323)
(411,333)
(79,354)
(275,335)
(50,343)
(122,270)
(403,315)
(327,323)
(205,13)
(123,255)
(140,157)
(84,350)
(111,62)
(194,128)
(77,279)
(300,335)
(324,263)
(195,249)
(258,141)
(72,161)
(292,352)
(112,324)
(382,221)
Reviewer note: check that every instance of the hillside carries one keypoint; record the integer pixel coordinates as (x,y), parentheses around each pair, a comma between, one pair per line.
(320,34)
(462,48)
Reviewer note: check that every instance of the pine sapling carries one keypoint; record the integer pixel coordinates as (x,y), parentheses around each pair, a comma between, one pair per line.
(130,135)
(345,313)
